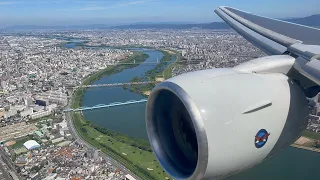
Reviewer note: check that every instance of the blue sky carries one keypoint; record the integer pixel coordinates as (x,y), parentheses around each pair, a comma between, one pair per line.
(76,12)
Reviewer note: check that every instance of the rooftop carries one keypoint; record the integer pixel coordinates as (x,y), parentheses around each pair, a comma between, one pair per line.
(31,144)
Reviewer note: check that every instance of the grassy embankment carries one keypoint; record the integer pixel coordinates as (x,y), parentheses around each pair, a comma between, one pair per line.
(135,154)
(167,73)
(311,135)
(159,73)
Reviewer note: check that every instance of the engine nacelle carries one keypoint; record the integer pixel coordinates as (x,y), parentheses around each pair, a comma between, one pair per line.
(214,123)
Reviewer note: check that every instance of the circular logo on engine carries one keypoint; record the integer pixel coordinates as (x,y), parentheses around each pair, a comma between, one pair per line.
(261,138)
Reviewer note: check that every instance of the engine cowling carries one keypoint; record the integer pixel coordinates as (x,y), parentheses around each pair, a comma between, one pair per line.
(210,124)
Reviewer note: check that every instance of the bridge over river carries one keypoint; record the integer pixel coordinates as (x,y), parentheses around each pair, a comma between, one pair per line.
(114,84)
(106,105)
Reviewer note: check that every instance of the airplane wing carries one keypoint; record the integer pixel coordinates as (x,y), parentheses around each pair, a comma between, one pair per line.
(276,37)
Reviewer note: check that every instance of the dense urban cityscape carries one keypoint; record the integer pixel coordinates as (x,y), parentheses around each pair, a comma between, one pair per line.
(38,71)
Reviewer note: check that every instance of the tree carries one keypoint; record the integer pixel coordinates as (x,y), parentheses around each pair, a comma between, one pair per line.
(135,79)
(83,129)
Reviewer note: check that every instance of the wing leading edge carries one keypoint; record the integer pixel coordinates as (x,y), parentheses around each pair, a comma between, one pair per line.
(277,37)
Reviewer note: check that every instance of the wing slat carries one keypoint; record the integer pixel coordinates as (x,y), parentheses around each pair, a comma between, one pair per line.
(277,37)
(308,35)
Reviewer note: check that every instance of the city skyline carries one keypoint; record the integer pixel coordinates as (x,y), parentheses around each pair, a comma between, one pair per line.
(112,12)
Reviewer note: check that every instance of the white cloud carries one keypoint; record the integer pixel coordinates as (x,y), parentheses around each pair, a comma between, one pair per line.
(137,2)
(97,8)
(8,2)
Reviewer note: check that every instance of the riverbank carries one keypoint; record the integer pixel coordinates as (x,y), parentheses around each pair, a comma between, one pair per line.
(306,148)
(308,141)
(311,135)
(167,73)
(135,154)
(160,73)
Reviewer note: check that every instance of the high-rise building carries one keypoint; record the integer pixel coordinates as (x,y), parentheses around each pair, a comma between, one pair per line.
(40,114)
(28,101)
(57,97)
(96,155)
(93,154)
(42,102)
(10,113)
(26,112)
(51,107)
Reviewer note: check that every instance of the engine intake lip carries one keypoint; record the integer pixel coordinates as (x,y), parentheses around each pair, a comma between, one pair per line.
(198,125)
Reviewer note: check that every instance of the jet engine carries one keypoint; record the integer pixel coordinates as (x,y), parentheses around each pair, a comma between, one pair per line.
(214,123)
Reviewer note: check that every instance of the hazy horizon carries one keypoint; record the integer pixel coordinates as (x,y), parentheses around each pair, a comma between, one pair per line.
(120,12)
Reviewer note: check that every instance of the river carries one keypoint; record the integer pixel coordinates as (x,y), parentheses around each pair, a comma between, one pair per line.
(291,163)
(124,119)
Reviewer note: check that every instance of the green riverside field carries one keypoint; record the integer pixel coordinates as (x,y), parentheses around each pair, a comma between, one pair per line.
(312,135)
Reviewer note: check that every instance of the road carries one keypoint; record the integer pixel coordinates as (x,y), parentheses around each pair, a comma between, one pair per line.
(4,171)
(82,141)
(7,167)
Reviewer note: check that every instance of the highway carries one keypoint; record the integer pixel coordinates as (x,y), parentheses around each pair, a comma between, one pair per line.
(7,167)
(4,171)
(75,134)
